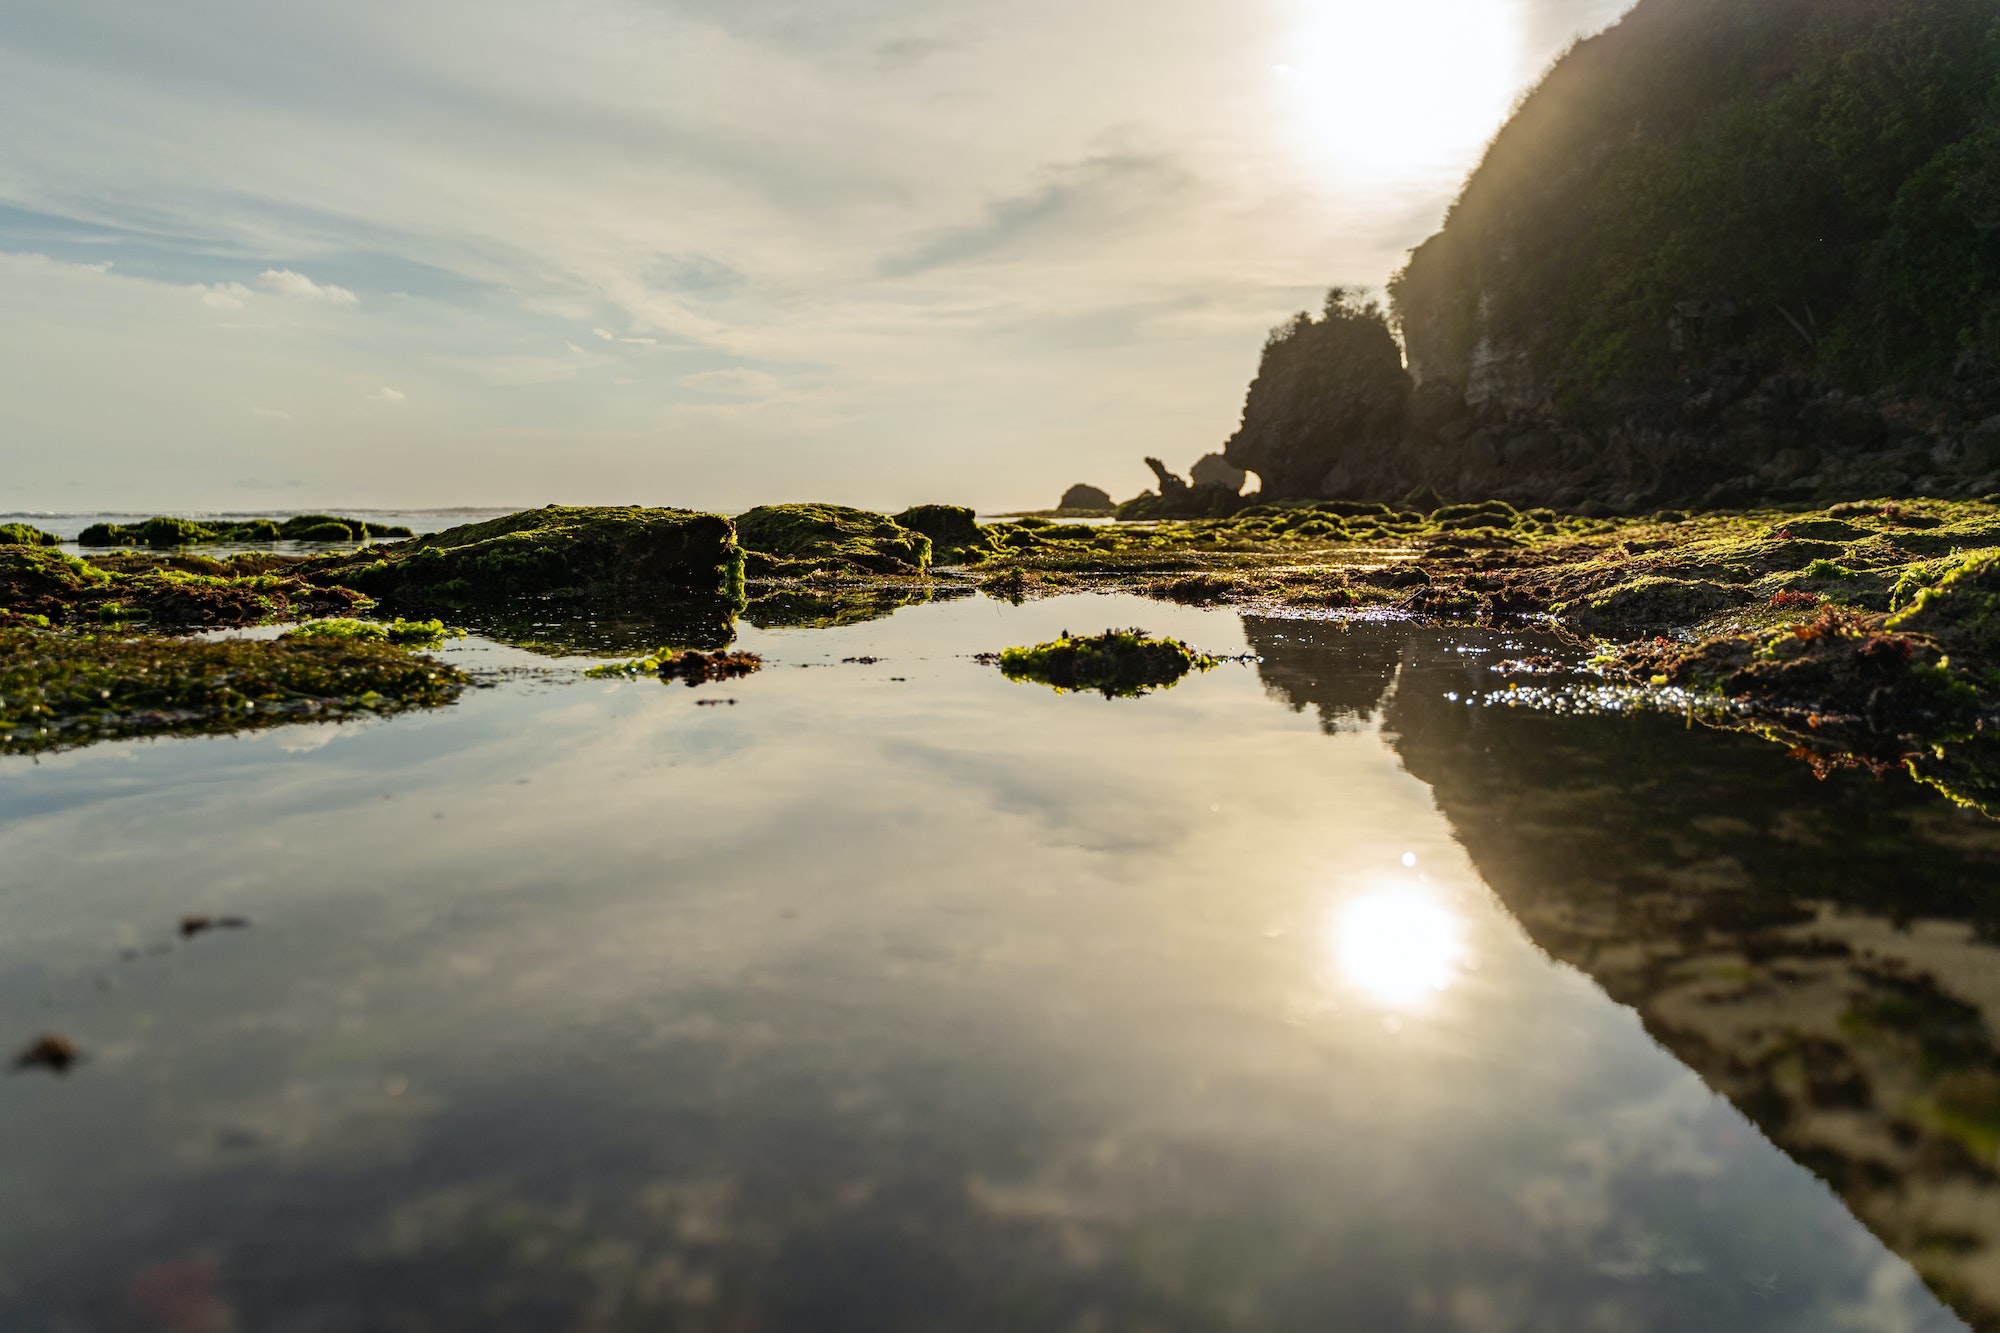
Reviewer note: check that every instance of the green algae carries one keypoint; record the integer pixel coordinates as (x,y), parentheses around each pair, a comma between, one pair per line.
(40,582)
(24,534)
(415,633)
(954,530)
(690,666)
(798,539)
(1116,663)
(164,531)
(561,552)
(59,689)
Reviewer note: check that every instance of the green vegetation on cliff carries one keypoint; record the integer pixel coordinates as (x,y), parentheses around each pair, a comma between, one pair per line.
(1810,185)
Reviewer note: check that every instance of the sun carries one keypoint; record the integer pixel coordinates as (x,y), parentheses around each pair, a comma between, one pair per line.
(1389,90)
(1397,946)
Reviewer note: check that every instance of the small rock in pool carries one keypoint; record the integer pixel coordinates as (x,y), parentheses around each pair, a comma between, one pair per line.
(51,1051)
(196,925)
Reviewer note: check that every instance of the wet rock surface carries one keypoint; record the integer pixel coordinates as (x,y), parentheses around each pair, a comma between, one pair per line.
(556,551)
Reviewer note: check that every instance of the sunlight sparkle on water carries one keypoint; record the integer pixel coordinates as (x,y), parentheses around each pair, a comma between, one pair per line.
(1386,92)
(1397,946)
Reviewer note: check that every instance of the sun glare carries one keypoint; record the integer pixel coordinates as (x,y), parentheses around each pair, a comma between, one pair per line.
(1405,90)
(1398,947)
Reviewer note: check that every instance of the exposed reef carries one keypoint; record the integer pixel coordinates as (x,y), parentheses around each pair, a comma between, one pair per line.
(62,689)
(162,531)
(554,552)
(26,534)
(44,586)
(1115,664)
(799,539)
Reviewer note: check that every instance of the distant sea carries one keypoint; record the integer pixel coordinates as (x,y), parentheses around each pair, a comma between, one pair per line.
(420,521)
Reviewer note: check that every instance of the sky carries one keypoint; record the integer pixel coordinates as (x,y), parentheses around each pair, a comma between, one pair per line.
(715,253)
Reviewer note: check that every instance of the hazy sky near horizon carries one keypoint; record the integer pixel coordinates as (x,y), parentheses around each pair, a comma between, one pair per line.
(702,252)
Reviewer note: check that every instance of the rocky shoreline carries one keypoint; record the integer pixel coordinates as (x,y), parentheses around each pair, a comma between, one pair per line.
(1864,634)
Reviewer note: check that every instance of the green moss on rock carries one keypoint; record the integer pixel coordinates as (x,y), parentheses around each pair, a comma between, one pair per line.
(557,551)
(956,537)
(791,539)
(1115,663)
(59,690)
(414,633)
(24,534)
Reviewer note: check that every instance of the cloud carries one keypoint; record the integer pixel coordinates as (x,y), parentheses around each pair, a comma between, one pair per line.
(735,382)
(385,394)
(1097,197)
(608,336)
(270,414)
(223,295)
(285,282)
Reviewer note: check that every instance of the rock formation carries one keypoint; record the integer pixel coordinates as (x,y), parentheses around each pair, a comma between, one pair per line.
(1723,254)
(1088,498)
(1215,470)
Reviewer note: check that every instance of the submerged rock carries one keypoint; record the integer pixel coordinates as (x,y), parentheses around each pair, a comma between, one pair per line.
(793,539)
(557,551)
(1114,663)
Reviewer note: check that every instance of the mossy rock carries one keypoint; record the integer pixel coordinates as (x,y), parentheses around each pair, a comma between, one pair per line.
(557,551)
(1962,610)
(1652,601)
(797,538)
(35,580)
(953,529)
(1115,663)
(23,534)
(59,690)
(163,531)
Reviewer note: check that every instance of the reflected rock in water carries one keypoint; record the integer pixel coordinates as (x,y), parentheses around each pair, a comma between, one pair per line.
(601,628)
(1819,951)
(1340,669)
(805,605)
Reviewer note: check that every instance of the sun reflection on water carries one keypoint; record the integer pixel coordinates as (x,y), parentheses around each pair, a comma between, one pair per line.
(1399,947)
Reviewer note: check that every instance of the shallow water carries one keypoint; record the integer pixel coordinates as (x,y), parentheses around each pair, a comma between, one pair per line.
(899,996)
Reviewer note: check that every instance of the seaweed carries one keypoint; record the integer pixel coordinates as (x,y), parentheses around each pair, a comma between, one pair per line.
(1116,663)
(690,666)
(421,633)
(24,534)
(61,689)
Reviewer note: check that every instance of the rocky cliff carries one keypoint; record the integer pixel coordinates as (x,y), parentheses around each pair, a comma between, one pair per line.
(1723,253)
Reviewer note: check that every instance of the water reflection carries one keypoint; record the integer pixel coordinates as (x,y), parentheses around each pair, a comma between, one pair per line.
(1398,946)
(894,997)
(1821,952)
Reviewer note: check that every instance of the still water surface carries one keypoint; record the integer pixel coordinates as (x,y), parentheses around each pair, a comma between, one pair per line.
(895,995)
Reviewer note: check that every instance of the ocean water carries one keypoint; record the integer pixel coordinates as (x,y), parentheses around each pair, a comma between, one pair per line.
(878,992)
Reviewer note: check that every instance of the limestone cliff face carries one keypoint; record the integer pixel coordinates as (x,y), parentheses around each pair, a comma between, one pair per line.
(1724,253)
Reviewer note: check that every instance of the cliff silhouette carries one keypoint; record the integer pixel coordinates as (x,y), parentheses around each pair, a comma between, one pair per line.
(1723,254)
